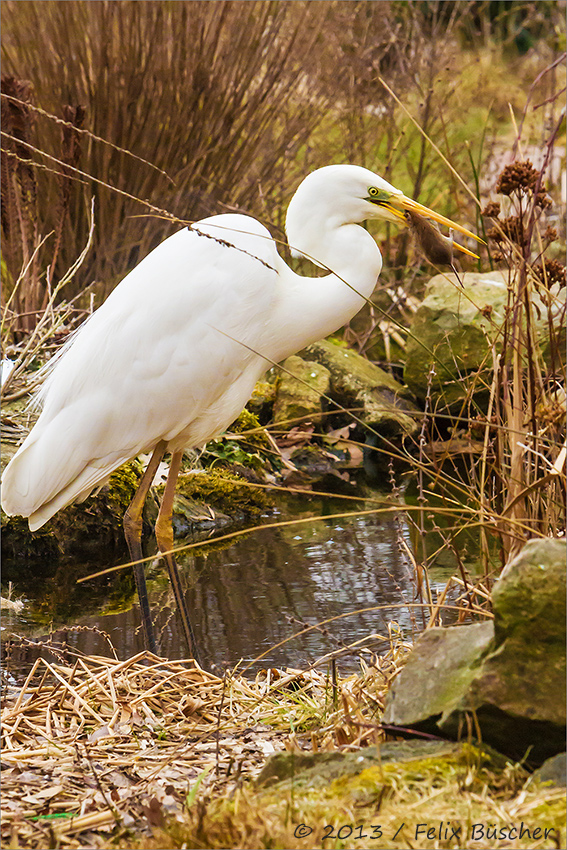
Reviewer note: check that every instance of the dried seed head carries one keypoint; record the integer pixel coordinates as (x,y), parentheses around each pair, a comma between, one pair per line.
(510,228)
(517,177)
(543,200)
(491,210)
(555,272)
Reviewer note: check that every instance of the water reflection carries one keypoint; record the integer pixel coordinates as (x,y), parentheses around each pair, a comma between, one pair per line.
(260,591)
(255,593)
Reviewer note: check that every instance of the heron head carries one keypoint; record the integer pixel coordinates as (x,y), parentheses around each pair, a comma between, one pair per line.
(341,194)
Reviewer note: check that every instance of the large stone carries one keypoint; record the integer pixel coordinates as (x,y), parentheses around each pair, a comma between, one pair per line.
(530,595)
(553,770)
(505,679)
(440,668)
(356,383)
(300,391)
(317,770)
(453,331)
(524,672)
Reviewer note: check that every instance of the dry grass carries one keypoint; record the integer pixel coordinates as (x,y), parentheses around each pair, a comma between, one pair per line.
(206,91)
(153,753)
(114,736)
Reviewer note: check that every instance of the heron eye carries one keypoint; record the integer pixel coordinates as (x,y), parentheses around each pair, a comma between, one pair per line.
(378,196)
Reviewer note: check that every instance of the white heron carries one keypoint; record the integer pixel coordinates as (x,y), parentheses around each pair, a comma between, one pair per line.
(171,357)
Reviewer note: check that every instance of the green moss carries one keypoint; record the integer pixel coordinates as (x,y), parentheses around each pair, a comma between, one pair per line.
(222,488)
(248,424)
(123,484)
(435,771)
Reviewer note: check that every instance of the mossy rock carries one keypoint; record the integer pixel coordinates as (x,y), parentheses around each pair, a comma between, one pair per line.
(453,332)
(223,490)
(317,770)
(314,461)
(431,690)
(86,528)
(529,597)
(524,675)
(508,680)
(96,525)
(380,401)
(300,392)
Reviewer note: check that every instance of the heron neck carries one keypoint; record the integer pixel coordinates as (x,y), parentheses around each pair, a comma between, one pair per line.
(312,308)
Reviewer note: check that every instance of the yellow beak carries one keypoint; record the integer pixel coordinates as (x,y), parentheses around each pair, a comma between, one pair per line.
(394,202)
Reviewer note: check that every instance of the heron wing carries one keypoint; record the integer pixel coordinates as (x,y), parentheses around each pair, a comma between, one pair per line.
(164,358)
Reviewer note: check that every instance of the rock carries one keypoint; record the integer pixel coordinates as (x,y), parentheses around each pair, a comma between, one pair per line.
(380,401)
(439,669)
(313,461)
(95,526)
(84,529)
(509,677)
(202,495)
(300,391)
(524,673)
(553,770)
(319,769)
(530,594)
(458,325)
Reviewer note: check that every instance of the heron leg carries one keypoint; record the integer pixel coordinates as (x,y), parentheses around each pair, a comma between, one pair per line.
(133,523)
(164,537)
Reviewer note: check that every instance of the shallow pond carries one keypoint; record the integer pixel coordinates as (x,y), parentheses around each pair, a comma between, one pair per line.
(249,595)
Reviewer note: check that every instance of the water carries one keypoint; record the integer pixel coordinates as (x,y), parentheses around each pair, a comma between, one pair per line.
(248,597)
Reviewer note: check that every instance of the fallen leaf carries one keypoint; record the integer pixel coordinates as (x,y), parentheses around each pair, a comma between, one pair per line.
(42,796)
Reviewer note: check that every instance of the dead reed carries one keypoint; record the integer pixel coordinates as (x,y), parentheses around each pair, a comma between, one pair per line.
(207,91)
(146,752)
(122,741)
